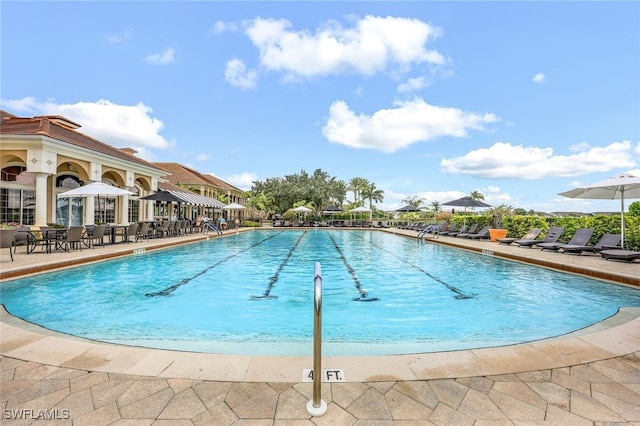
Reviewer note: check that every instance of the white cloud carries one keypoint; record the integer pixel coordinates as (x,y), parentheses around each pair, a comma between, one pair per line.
(412,85)
(121,38)
(242,180)
(203,157)
(539,78)
(503,160)
(372,45)
(164,58)
(237,74)
(221,27)
(118,125)
(391,129)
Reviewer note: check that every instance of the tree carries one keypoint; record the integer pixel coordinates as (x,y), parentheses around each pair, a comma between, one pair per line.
(372,194)
(634,209)
(477,195)
(436,207)
(338,192)
(357,185)
(413,201)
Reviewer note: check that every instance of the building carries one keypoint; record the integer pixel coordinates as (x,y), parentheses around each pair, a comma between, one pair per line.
(44,156)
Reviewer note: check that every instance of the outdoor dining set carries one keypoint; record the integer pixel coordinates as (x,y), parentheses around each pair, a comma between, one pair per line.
(57,239)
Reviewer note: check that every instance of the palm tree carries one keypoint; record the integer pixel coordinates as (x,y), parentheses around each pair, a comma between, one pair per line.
(372,194)
(357,185)
(436,207)
(413,201)
(477,195)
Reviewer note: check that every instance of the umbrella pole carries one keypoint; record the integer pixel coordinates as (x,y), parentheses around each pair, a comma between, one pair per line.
(622,217)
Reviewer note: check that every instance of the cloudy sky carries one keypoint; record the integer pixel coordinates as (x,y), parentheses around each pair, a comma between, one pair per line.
(517,100)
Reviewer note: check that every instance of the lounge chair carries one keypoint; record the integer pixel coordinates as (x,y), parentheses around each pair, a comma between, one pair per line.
(480,235)
(552,236)
(464,230)
(619,254)
(447,228)
(607,241)
(531,235)
(581,237)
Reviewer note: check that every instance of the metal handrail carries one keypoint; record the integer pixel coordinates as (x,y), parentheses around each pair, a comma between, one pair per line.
(317,407)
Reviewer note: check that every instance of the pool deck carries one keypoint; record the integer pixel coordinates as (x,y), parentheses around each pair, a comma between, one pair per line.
(589,377)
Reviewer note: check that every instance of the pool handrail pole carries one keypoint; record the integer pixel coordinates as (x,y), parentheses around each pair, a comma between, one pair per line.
(317,407)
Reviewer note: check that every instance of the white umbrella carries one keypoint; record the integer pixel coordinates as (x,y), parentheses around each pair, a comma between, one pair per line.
(361,209)
(617,187)
(233,206)
(302,209)
(95,189)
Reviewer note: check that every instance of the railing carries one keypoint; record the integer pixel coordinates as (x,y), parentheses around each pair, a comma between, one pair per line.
(316,406)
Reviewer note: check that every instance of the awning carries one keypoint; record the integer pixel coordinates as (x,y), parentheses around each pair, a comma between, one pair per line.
(198,200)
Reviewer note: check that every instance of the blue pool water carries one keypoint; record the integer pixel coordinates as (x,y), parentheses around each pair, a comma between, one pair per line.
(210,297)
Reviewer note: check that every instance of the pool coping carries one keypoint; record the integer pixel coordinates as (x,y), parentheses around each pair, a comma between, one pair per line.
(614,337)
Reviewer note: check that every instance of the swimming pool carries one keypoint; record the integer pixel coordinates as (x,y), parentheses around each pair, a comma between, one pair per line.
(251,293)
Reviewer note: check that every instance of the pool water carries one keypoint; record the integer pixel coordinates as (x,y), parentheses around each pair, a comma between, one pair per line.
(252,293)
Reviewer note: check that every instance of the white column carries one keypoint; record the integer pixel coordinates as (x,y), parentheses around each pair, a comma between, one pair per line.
(41,199)
(149,209)
(124,209)
(89,210)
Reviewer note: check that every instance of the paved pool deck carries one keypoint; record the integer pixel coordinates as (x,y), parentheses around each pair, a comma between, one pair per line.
(588,377)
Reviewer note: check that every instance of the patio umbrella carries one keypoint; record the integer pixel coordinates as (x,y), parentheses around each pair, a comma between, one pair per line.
(95,189)
(407,209)
(617,187)
(233,206)
(466,202)
(302,209)
(165,196)
(361,209)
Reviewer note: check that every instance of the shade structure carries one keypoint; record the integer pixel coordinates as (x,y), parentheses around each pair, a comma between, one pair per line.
(332,209)
(302,209)
(95,189)
(408,209)
(622,186)
(466,202)
(233,206)
(165,196)
(361,209)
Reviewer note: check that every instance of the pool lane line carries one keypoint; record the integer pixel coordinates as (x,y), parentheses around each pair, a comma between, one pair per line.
(363,294)
(167,291)
(273,279)
(459,293)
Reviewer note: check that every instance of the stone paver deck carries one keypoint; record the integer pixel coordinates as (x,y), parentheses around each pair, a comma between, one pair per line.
(589,377)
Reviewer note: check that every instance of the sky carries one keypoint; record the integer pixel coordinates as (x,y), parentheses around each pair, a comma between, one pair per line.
(517,100)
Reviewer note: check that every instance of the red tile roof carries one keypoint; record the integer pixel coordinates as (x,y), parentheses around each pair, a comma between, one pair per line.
(184,175)
(64,130)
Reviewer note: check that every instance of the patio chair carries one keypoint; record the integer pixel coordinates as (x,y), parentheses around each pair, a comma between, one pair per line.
(72,238)
(531,235)
(607,241)
(129,231)
(142,233)
(162,230)
(580,237)
(94,237)
(6,240)
(552,235)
